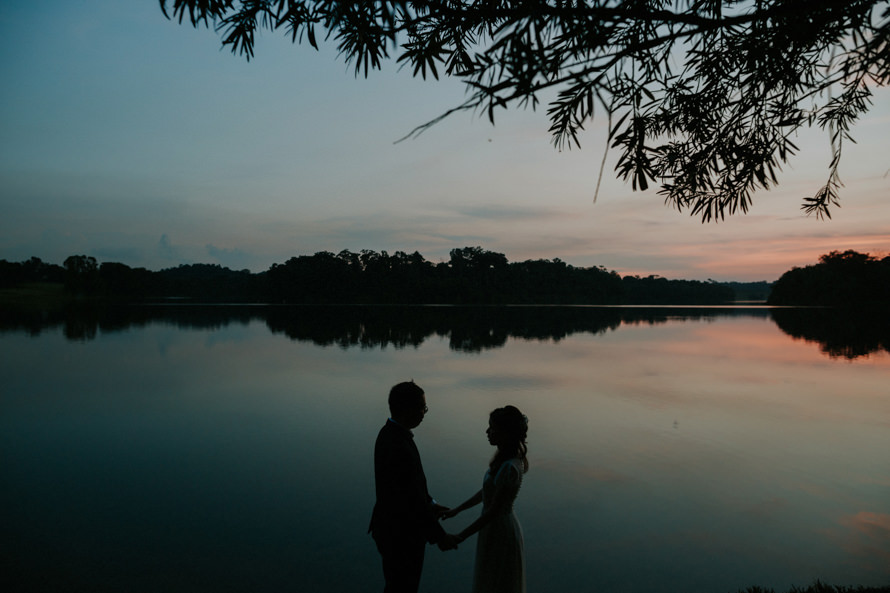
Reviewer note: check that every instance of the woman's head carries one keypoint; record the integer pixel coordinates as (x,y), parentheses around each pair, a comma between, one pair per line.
(508,430)
(508,424)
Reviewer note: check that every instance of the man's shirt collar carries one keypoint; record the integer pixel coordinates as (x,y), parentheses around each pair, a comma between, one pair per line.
(408,430)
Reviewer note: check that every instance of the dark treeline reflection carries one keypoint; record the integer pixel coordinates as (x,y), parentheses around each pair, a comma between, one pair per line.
(840,332)
(468,328)
(84,320)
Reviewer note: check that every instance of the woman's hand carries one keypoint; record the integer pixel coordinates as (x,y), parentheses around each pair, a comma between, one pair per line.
(449,514)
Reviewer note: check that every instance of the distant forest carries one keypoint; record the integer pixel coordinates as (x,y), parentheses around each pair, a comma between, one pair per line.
(472,275)
(847,278)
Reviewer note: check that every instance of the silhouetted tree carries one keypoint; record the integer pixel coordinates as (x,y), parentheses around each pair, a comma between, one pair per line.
(655,290)
(122,281)
(750,291)
(413,276)
(472,275)
(840,278)
(702,96)
(476,275)
(32,270)
(319,278)
(205,282)
(81,274)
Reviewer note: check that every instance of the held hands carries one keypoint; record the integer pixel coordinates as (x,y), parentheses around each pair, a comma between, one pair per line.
(449,542)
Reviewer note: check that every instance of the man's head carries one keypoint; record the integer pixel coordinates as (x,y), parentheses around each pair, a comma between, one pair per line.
(407,404)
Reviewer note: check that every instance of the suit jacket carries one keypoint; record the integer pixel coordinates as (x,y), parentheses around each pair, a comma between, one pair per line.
(404,508)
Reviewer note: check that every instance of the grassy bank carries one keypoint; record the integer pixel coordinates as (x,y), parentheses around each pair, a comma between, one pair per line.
(35,296)
(819,587)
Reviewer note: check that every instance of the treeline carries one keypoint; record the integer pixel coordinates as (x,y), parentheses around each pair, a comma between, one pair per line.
(846,278)
(472,275)
(30,271)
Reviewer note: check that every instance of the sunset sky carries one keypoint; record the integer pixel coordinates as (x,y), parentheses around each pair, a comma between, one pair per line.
(131,138)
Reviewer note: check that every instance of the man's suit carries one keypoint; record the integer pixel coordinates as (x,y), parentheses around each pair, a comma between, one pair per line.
(403,520)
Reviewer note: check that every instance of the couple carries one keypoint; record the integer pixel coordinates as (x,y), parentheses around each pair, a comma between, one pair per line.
(406,517)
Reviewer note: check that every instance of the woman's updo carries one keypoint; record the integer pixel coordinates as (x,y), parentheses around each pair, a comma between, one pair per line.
(512,426)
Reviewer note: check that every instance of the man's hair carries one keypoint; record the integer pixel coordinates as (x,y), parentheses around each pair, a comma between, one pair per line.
(404,397)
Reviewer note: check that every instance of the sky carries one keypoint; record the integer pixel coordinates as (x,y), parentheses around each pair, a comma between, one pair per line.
(133,139)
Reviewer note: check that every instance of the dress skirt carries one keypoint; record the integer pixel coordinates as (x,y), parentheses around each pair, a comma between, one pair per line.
(500,557)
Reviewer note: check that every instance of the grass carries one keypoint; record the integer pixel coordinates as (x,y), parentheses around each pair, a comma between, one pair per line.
(35,296)
(820,587)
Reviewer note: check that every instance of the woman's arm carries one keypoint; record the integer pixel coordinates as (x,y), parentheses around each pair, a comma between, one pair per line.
(470,502)
(503,497)
(476,525)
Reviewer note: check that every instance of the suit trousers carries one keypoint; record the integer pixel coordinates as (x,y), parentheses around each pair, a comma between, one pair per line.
(402,562)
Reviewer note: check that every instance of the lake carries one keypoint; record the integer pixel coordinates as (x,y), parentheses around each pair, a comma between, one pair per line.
(213,449)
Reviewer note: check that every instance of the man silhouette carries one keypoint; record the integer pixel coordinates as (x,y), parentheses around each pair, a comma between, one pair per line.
(405,516)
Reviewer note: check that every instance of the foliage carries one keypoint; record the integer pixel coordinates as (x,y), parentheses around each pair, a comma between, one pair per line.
(81,274)
(820,587)
(30,271)
(751,291)
(703,97)
(846,278)
(472,275)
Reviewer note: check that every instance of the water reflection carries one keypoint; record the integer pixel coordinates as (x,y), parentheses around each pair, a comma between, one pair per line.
(193,449)
(840,333)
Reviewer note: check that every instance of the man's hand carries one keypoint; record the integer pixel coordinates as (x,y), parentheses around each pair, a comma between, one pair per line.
(448,542)
(440,510)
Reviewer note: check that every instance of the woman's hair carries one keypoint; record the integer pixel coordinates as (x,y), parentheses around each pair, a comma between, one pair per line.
(512,426)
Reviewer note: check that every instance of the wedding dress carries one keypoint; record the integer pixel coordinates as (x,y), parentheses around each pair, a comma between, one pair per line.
(500,559)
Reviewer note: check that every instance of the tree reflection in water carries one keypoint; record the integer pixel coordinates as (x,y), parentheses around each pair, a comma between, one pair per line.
(841,333)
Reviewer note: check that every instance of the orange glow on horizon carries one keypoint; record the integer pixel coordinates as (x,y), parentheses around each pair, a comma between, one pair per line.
(763,259)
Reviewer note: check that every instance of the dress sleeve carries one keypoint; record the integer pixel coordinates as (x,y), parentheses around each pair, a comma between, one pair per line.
(506,486)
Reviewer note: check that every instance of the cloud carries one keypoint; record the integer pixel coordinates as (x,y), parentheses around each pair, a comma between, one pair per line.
(510,213)
(167,252)
(867,538)
(118,164)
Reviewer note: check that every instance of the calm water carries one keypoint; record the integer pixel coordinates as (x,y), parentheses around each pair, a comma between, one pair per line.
(212,450)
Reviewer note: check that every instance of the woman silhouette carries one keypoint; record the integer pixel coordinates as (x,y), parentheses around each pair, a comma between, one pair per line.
(500,559)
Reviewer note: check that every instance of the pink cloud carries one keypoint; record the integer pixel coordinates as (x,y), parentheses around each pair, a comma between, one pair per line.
(868,538)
